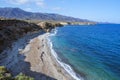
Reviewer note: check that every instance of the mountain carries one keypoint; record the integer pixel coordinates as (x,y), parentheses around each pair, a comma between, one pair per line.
(21,14)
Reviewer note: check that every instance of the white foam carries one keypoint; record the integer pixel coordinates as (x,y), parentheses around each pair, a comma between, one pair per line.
(64,65)
(54,33)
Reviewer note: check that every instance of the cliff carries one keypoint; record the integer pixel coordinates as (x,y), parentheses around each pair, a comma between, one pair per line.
(11,30)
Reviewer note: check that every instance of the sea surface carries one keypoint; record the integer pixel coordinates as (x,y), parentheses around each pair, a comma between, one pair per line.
(92,51)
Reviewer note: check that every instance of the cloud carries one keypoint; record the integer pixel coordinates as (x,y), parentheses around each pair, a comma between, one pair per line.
(57,8)
(36,3)
(18,1)
(28,9)
(40,3)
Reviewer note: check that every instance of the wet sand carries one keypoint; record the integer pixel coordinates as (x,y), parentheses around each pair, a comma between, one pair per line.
(38,54)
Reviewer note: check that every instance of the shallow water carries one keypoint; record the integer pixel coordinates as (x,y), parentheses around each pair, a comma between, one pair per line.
(93,51)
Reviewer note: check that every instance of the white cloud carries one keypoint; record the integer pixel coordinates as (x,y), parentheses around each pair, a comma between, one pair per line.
(18,1)
(57,8)
(40,3)
(28,9)
(37,3)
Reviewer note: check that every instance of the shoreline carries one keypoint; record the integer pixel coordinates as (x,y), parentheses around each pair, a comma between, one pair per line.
(33,57)
(48,63)
(43,60)
(65,66)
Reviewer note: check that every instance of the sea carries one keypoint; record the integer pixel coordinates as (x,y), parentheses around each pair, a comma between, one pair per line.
(88,52)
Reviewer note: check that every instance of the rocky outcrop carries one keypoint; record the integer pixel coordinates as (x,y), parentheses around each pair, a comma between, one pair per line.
(11,30)
(47,26)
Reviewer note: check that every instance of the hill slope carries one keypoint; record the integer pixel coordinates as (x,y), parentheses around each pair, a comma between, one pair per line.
(21,14)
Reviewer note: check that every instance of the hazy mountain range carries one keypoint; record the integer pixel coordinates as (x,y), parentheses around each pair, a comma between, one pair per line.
(21,14)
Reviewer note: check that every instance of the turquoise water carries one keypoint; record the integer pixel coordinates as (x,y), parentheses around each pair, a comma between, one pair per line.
(92,51)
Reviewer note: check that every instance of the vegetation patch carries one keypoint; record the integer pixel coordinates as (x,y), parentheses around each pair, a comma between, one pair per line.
(6,75)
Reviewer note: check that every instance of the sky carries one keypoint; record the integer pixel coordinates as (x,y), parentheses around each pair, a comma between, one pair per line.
(96,10)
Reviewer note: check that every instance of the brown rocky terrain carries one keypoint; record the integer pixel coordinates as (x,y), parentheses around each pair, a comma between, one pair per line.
(47,26)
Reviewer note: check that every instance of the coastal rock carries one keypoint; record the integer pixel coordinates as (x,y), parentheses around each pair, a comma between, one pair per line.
(11,30)
(47,26)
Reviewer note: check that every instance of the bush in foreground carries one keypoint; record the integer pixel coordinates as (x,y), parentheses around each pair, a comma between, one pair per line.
(5,75)
(23,77)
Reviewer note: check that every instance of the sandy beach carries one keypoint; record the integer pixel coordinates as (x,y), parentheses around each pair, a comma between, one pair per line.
(39,56)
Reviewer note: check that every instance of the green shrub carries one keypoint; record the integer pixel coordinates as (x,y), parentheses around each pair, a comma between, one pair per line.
(23,77)
(3,69)
(5,75)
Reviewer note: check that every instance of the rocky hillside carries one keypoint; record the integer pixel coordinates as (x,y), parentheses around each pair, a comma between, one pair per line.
(11,30)
(21,14)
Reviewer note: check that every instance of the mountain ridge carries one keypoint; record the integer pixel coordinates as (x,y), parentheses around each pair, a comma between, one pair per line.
(18,13)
